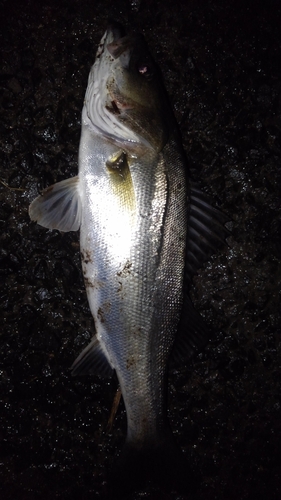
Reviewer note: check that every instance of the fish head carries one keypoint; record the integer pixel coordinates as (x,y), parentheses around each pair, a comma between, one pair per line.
(125,99)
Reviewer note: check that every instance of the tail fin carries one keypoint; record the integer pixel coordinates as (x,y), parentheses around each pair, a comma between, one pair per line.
(159,464)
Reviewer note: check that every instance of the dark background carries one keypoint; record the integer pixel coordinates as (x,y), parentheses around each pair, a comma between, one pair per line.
(221,62)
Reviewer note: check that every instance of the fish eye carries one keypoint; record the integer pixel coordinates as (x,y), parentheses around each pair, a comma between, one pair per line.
(145,70)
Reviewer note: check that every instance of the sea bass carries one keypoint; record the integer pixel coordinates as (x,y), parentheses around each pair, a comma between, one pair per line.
(144,230)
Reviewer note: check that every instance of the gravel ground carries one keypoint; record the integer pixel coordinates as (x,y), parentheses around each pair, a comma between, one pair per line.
(221,65)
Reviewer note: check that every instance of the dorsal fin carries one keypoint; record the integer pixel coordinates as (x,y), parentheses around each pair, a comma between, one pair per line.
(206,231)
(192,335)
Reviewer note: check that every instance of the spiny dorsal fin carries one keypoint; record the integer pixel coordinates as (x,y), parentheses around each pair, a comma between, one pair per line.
(206,231)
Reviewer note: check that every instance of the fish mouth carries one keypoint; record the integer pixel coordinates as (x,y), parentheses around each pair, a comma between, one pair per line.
(119,45)
(121,42)
(114,33)
(116,29)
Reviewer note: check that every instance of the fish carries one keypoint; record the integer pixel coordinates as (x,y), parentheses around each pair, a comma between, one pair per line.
(145,230)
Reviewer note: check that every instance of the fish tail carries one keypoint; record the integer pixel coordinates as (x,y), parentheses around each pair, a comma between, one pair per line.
(159,464)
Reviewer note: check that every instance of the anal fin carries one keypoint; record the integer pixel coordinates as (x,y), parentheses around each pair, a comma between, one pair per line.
(92,360)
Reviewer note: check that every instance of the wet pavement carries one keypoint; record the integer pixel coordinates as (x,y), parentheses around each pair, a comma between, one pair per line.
(221,65)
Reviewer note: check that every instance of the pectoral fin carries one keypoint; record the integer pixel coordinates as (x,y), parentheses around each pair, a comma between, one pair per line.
(59,206)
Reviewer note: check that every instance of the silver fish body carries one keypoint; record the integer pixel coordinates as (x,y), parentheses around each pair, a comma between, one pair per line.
(133,234)
(131,200)
(133,263)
